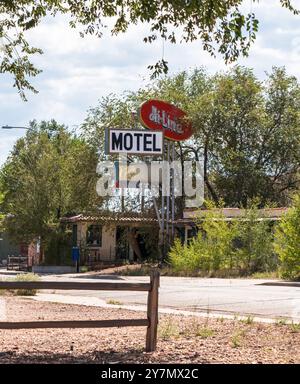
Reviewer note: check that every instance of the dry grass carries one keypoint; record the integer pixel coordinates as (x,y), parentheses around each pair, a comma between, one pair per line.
(114,302)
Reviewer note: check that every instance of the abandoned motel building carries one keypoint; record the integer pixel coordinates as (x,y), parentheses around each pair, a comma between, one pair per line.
(110,240)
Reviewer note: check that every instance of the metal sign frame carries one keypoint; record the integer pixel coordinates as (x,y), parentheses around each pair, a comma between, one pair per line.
(166,216)
(141,153)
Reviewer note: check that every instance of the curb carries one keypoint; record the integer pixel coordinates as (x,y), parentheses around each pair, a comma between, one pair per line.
(282,283)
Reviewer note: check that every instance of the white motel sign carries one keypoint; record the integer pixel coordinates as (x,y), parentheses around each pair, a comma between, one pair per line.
(134,142)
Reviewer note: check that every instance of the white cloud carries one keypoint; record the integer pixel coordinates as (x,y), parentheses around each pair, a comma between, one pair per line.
(77,72)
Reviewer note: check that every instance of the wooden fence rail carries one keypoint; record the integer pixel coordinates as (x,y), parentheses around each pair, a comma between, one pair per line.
(66,285)
(152,306)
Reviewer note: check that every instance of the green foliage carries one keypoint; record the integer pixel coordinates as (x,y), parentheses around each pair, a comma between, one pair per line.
(256,239)
(204,332)
(237,338)
(281,321)
(14,63)
(247,131)
(266,275)
(243,245)
(1,214)
(50,173)
(211,250)
(168,329)
(57,249)
(248,320)
(287,242)
(26,277)
(217,24)
(295,327)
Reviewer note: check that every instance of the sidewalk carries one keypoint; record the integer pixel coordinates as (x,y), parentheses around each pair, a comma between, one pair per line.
(97,302)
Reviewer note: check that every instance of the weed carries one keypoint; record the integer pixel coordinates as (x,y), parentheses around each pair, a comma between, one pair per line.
(168,329)
(280,322)
(195,328)
(204,332)
(237,338)
(295,327)
(265,275)
(30,277)
(249,320)
(138,270)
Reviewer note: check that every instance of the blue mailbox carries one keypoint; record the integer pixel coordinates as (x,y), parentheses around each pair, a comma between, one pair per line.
(75,254)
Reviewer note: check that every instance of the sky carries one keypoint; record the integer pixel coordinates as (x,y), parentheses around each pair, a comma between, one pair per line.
(77,71)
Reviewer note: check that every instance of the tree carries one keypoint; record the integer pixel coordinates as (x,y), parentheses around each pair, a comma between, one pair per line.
(1,201)
(220,23)
(50,173)
(287,240)
(1,214)
(250,135)
(247,131)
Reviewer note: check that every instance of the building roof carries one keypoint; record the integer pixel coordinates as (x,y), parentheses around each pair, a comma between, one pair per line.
(235,213)
(190,216)
(113,218)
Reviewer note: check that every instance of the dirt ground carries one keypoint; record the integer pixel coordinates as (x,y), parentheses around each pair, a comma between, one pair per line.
(180,340)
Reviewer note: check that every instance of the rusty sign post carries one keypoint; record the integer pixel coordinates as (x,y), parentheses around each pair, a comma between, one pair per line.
(158,115)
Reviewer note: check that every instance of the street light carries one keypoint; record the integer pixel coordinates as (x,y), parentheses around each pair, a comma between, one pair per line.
(11,127)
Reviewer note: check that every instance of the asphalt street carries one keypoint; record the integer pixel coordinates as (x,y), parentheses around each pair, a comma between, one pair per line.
(221,296)
(231,296)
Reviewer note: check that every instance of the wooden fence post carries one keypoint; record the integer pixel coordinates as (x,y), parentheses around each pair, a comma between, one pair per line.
(152,312)
(152,306)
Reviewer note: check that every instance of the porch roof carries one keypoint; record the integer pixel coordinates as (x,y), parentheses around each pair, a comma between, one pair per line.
(190,217)
(110,219)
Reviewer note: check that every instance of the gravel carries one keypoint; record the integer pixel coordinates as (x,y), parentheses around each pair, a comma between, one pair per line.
(180,339)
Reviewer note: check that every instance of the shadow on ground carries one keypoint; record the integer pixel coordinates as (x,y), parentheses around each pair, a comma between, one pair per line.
(99,277)
(100,357)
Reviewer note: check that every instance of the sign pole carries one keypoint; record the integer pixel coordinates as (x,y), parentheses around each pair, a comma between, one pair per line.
(173,193)
(168,200)
(163,215)
(157,214)
(163,121)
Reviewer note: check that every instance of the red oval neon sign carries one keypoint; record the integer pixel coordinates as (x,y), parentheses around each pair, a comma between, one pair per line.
(159,115)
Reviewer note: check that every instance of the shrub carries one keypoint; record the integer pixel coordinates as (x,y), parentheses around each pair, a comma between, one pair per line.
(26,277)
(210,250)
(237,338)
(240,247)
(183,258)
(287,242)
(256,253)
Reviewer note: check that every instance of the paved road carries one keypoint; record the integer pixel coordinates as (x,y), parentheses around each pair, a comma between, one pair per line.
(223,296)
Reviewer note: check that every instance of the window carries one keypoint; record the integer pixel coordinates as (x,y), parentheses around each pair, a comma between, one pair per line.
(94,235)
